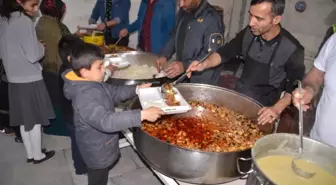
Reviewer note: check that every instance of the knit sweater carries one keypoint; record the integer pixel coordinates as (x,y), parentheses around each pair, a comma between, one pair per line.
(20,49)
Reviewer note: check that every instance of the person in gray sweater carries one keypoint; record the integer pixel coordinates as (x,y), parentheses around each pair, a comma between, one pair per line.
(29,102)
(93,101)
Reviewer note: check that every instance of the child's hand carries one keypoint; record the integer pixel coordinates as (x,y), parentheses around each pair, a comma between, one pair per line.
(111,67)
(80,33)
(151,114)
(101,27)
(144,85)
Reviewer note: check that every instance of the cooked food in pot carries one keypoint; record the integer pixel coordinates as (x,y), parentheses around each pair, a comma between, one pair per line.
(116,48)
(214,129)
(278,169)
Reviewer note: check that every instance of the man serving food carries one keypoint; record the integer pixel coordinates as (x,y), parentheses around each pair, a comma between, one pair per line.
(273,59)
(197,25)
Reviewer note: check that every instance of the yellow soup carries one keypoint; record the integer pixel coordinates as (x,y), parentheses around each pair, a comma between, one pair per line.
(278,169)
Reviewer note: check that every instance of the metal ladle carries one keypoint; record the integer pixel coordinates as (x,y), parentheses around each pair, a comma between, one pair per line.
(298,171)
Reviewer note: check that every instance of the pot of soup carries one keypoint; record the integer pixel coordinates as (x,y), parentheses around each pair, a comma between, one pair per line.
(272,156)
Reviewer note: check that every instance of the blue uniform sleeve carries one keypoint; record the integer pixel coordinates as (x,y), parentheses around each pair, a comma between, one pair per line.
(95,15)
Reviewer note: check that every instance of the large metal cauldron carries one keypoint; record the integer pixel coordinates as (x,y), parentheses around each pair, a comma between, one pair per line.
(138,58)
(194,166)
(314,151)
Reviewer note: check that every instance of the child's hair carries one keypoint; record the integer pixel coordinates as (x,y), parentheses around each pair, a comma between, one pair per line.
(53,8)
(65,46)
(84,55)
(9,6)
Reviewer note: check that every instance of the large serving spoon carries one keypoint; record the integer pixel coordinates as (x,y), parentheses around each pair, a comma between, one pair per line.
(167,87)
(298,171)
(117,42)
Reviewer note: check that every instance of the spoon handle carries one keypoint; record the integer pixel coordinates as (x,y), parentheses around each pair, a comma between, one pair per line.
(179,79)
(117,41)
(185,73)
(300,119)
(205,57)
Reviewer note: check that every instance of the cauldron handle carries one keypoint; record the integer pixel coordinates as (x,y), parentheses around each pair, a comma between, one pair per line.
(251,171)
(238,165)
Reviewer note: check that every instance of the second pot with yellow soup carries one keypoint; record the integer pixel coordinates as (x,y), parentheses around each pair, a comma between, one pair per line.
(272,156)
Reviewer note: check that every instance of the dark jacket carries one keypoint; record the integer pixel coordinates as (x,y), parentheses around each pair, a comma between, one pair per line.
(205,22)
(120,9)
(95,119)
(162,23)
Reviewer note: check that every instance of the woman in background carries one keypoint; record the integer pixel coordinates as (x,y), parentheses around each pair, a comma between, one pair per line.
(50,30)
(29,103)
(113,15)
(156,19)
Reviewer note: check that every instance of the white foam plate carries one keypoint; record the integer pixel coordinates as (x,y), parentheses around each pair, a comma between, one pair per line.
(152,97)
(116,61)
(88,27)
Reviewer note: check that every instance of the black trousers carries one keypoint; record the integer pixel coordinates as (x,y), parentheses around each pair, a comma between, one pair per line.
(4,106)
(100,176)
(110,40)
(79,164)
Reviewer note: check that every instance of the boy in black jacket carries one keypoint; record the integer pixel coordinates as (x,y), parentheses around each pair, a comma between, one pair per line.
(65,46)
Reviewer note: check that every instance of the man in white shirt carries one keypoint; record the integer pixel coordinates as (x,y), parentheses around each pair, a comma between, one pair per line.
(323,72)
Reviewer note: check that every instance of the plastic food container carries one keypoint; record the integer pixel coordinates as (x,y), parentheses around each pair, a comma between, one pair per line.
(97,38)
(152,97)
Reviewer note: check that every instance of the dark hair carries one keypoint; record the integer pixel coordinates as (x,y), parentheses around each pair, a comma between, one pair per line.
(9,6)
(66,44)
(53,8)
(278,6)
(84,55)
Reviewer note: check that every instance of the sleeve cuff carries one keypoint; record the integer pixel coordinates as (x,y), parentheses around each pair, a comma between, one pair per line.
(166,56)
(107,74)
(186,64)
(319,66)
(92,21)
(290,86)
(117,20)
(137,118)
